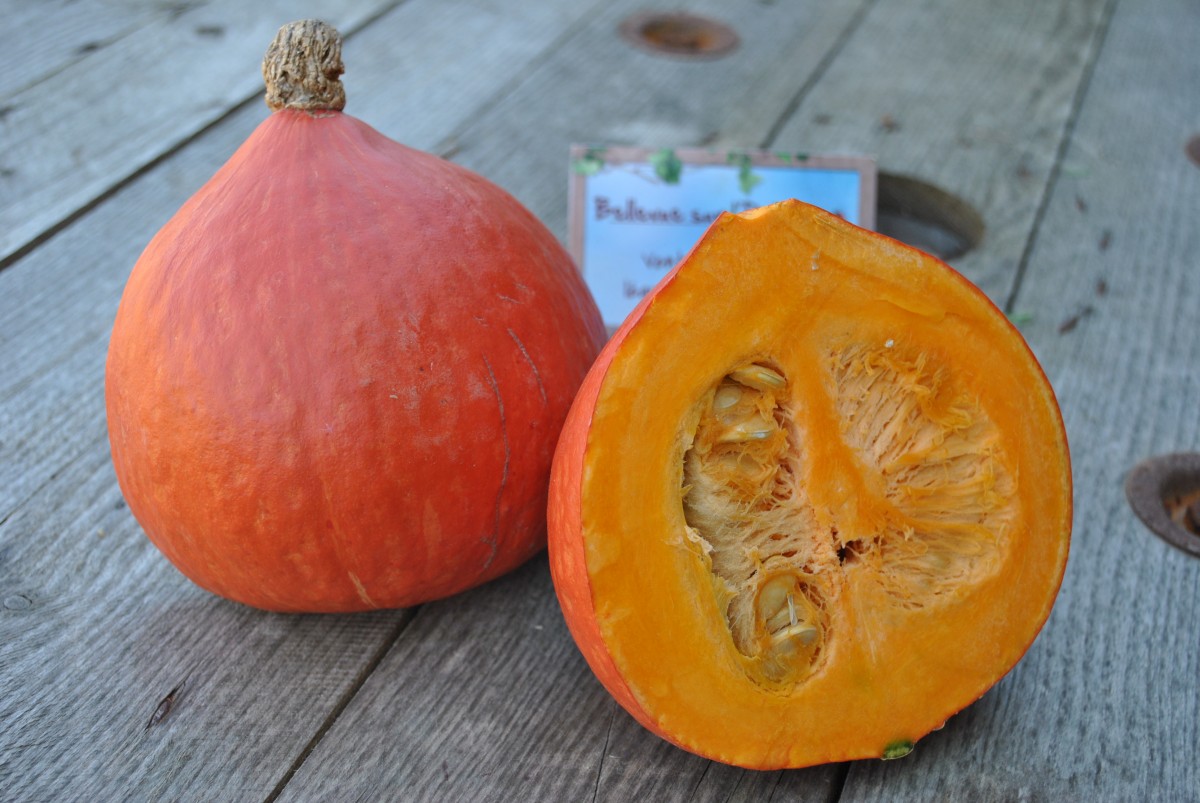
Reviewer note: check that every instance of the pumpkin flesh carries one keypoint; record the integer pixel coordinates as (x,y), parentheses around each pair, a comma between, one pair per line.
(810,530)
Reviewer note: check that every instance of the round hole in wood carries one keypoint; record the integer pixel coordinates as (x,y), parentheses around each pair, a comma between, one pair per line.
(679,34)
(927,217)
(1192,149)
(1164,492)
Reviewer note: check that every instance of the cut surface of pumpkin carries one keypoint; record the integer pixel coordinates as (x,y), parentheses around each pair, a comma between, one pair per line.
(813,498)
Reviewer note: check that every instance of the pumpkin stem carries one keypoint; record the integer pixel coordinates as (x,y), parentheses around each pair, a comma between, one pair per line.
(302,67)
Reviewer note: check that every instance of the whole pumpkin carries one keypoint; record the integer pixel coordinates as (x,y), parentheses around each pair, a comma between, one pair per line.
(830,516)
(337,375)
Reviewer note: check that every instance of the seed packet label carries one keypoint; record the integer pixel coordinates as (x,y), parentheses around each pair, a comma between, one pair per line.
(635,212)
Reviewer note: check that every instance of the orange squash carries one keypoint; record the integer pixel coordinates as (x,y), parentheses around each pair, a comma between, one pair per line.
(813,498)
(337,374)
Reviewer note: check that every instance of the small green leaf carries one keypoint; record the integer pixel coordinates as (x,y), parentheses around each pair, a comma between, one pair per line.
(1020,318)
(747,178)
(897,749)
(591,163)
(666,165)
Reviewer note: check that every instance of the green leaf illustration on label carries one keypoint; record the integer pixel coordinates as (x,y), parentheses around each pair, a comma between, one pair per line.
(747,178)
(591,163)
(667,165)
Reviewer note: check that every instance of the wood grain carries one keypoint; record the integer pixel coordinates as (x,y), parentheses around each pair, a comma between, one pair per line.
(475,684)
(68,140)
(53,34)
(486,693)
(597,88)
(58,306)
(975,105)
(1104,705)
(96,632)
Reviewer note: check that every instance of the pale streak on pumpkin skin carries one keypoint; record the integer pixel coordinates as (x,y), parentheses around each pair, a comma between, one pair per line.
(359,588)
(537,376)
(507,453)
(362,590)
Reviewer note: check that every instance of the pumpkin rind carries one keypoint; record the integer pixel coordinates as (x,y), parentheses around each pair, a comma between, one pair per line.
(337,374)
(879,647)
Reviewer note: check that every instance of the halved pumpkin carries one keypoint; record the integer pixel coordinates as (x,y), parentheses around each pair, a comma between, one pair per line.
(813,498)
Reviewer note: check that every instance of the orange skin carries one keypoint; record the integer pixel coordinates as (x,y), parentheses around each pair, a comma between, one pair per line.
(337,374)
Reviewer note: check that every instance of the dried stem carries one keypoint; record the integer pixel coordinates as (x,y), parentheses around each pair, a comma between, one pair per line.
(302,67)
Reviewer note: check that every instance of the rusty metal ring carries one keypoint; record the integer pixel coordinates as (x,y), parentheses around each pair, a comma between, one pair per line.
(679,34)
(1164,492)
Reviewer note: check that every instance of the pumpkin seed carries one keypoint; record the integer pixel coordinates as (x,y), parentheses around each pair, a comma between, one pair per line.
(751,429)
(774,595)
(758,377)
(806,634)
(726,396)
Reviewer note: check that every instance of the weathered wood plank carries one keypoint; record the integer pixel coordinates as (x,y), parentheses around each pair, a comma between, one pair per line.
(469,696)
(57,33)
(487,693)
(69,139)
(58,305)
(1104,706)
(599,89)
(635,767)
(971,98)
(421,74)
(96,632)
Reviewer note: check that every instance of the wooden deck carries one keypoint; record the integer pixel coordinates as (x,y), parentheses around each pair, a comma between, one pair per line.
(1062,123)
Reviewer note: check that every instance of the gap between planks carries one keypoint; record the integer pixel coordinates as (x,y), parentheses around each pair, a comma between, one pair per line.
(450,144)
(1060,154)
(816,75)
(407,615)
(839,783)
(120,183)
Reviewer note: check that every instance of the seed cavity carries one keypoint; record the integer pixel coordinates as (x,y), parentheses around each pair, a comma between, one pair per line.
(939,460)
(741,503)
(945,500)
